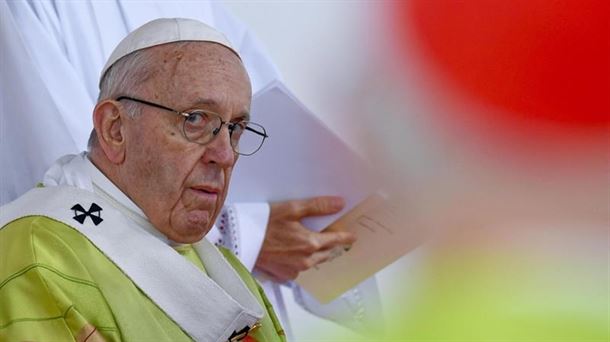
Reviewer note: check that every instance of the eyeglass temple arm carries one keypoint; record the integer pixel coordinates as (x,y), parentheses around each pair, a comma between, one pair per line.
(150,104)
(257,132)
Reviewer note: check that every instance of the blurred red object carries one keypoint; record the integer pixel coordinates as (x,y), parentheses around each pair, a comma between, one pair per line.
(536,59)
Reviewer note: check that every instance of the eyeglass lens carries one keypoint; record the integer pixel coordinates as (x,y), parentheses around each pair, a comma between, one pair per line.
(246,137)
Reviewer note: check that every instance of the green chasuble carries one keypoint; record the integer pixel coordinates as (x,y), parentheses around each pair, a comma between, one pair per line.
(55,285)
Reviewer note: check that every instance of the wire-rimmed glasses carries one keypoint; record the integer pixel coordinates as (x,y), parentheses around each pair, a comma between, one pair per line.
(201,127)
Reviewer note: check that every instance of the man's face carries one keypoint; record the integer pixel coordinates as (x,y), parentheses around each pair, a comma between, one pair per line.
(181,185)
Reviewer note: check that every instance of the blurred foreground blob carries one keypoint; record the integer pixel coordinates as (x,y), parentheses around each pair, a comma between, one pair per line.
(536,71)
(552,286)
(521,95)
(538,59)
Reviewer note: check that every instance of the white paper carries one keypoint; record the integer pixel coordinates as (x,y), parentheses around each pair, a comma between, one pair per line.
(385,231)
(301,158)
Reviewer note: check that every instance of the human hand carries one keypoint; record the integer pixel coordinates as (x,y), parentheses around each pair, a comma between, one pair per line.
(289,247)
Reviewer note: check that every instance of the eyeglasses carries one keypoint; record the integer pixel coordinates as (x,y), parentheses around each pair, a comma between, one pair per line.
(202,127)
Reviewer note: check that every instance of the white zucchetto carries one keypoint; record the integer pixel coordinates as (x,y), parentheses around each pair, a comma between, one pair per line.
(163,31)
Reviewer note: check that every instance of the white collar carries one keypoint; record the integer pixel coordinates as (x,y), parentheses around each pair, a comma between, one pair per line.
(77,170)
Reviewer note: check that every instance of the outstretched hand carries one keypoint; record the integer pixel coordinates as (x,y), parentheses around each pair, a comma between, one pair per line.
(289,247)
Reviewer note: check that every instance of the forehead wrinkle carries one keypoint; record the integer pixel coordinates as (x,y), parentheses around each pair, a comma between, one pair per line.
(163,69)
(168,58)
(180,61)
(176,63)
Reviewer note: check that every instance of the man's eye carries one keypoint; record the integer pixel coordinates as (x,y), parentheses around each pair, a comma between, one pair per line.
(193,118)
(238,127)
(197,119)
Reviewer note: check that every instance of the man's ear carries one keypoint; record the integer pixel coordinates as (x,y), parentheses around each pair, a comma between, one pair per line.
(108,123)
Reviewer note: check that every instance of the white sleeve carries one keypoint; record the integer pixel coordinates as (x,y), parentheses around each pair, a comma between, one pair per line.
(358,309)
(241,228)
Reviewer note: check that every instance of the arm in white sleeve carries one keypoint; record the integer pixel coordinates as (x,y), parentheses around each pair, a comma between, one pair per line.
(358,309)
(241,228)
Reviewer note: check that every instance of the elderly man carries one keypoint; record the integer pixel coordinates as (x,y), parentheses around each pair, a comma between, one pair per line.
(53,57)
(112,248)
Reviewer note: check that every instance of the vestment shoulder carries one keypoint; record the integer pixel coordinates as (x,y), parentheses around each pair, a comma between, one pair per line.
(38,241)
(46,291)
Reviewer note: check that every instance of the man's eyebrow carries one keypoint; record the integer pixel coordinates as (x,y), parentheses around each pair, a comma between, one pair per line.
(243,116)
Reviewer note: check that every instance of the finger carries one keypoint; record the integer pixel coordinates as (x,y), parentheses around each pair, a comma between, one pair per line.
(319,257)
(317,206)
(329,240)
(281,274)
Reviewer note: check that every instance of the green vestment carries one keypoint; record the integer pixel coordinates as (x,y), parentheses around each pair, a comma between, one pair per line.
(55,285)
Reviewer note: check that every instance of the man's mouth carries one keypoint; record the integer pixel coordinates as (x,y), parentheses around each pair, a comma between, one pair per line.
(206,192)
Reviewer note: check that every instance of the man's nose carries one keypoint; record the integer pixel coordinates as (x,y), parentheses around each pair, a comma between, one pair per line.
(219,150)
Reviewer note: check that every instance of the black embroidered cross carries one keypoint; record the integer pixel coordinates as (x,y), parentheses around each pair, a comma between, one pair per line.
(94,212)
(239,335)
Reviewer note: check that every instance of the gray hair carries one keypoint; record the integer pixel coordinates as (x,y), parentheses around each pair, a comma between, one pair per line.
(125,77)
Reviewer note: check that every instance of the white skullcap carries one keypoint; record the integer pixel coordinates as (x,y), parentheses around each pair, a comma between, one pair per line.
(163,31)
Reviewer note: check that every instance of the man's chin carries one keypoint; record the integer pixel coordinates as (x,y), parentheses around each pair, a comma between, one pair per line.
(192,228)
(188,235)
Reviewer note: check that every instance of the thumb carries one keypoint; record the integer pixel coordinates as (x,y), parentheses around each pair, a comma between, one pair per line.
(318,206)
